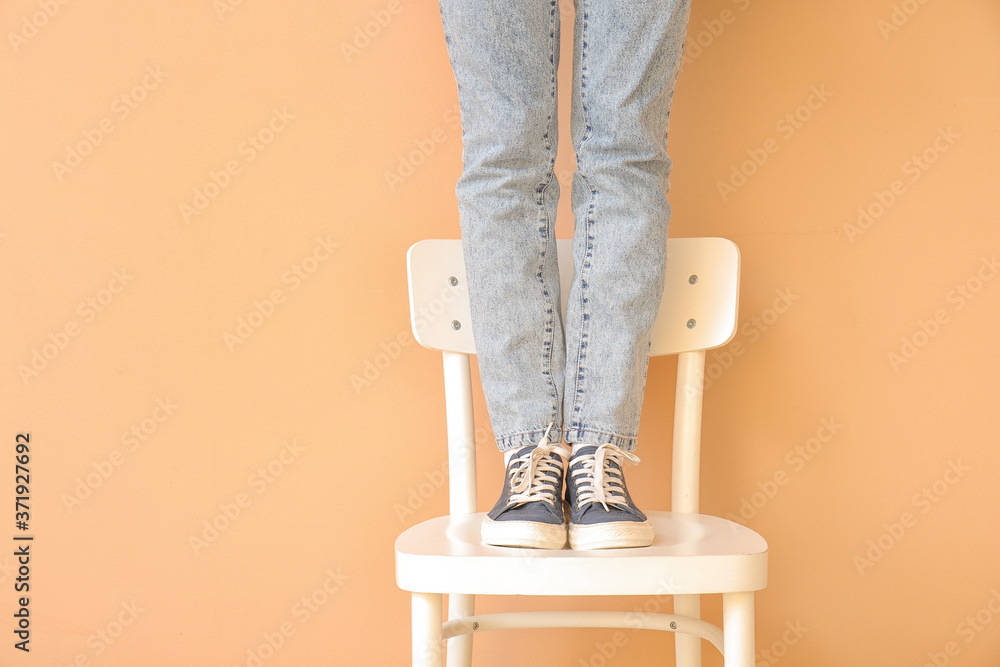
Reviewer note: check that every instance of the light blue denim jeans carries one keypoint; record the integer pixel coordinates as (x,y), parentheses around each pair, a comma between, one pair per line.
(587,375)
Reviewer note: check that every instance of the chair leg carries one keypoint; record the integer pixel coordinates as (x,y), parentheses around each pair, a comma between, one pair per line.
(687,647)
(426,630)
(738,629)
(460,647)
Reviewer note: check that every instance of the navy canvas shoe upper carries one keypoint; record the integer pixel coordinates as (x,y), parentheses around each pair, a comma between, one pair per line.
(596,489)
(533,486)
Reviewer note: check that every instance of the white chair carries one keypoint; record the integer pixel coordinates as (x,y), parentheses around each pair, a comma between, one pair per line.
(693,554)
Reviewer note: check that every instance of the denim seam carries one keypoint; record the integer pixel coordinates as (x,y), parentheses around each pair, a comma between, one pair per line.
(581,435)
(517,439)
(580,377)
(546,227)
(595,429)
(518,434)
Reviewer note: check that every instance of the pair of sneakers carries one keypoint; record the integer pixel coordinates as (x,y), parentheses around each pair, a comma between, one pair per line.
(530,510)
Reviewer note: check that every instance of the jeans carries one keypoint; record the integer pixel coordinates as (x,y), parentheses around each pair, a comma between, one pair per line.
(587,374)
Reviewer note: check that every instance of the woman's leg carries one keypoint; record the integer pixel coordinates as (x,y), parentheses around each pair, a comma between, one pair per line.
(626,59)
(505,56)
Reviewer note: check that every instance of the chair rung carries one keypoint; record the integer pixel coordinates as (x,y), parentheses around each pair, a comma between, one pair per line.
(584,619)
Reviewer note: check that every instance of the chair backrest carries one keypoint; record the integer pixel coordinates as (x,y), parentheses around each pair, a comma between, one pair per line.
(698,312)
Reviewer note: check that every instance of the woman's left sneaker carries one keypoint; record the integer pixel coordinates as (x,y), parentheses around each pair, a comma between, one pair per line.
(602,514)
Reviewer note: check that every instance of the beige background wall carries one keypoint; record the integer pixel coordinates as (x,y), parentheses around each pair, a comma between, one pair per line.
(201,253)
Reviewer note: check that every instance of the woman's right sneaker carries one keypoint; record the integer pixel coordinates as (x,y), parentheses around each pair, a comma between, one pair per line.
(529,512)
(602,514)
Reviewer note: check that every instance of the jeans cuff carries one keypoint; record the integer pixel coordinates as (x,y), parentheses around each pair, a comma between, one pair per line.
(594,436)
(526,438)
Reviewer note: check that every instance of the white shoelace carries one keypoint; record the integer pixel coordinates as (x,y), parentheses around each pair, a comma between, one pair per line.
(535,475)
(602,483)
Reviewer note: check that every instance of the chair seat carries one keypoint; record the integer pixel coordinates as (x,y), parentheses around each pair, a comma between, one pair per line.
(691,554)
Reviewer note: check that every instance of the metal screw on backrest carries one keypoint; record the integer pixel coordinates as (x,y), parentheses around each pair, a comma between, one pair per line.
(691,324)
(453,281)
(693,279)
(456,325)
(673,625)
(475,626)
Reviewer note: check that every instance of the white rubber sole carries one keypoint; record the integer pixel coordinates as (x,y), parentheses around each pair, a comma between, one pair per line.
(526,534)
(611,535)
